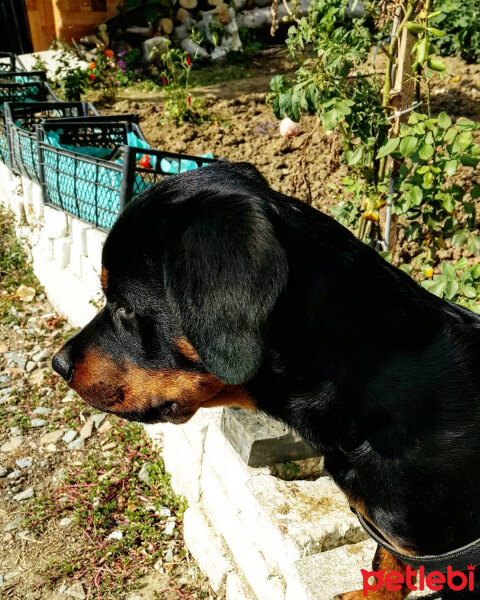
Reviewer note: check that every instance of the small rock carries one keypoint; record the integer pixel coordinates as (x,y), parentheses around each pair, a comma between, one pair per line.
(12,444)
(70,396)
(52,437)
(65,522)
(42,410)
(115,535)
(169,556)
(86,430)
(62,588)
(75,591)
(135,597)
(25,495)
(25,462)
(109,446)
(15,524)
(1,580)
(19,361)
(41,356)
(105,427)
(38,423)
(143,474)
(6,391)
(14,474)
(15,431)
(30,366)
(169,528)
(69,436)
(7,538)
(25,293)
(11,575)
(164,512)
(78,444)
(51,448)
(3,471)
(98,419)
(37,377)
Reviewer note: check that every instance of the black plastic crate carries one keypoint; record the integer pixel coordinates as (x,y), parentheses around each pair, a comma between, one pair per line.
(20,87)
(21,119)
(96,189)
(10,62)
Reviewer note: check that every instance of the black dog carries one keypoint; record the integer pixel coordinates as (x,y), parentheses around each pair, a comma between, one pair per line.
(222,291)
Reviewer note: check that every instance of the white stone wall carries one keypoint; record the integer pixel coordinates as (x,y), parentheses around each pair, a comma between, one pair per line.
(256,536)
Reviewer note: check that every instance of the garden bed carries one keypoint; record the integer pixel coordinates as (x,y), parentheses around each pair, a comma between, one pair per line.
(241,127)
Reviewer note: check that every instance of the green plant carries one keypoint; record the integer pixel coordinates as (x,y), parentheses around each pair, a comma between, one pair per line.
(406,166)
(180,105)
(457,283)
(104,75)
(432,204)
(460,21)
(70,80)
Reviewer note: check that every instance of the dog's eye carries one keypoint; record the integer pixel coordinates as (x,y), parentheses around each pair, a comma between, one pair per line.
(122,311)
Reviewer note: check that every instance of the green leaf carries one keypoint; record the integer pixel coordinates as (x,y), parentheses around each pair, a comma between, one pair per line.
(408,145)
(475,271)
(390,146)
(428,181)
(464,140)
(473,244)
(435,286)
(470,291)
(416,193)
(436,64)
(461,264)
(448,204)
(354,157)
(444,121)
(459,238)
(426,151)
(434,31)
(475,193)
(331,119)
(450,135)
(414,27)
(448,270)
(451,289)
(451,167)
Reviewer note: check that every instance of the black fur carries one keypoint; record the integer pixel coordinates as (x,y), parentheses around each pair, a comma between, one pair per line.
(370,368)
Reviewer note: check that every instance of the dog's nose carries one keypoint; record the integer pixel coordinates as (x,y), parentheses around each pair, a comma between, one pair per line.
(63,365)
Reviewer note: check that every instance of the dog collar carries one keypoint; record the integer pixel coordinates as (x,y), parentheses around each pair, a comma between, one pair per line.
(459,559)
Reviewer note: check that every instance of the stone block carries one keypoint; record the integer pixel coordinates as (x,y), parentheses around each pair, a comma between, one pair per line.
(261,440)
(91,278)
(75,264)
(78,231)
(61,251)
(65,292)
(26,189)
(323,576)
(55,222)
(263,580)
(44,247)
(312,516)
(183,461)
(207,548)
(236,589)
(94,242)
(37,200)
(17,207)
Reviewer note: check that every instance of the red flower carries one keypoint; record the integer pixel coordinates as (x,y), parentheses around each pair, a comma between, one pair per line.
(109,53)
(189,100)
(145,162)
(189,60)
(92,76)
(164,80)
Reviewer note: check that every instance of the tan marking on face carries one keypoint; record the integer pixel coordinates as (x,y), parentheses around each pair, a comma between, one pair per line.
(129,388)
(186,348)
(104,279)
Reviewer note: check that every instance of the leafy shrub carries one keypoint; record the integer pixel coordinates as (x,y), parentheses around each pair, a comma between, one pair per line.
(460,21)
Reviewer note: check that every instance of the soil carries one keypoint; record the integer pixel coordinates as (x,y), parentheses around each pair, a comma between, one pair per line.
(242,127)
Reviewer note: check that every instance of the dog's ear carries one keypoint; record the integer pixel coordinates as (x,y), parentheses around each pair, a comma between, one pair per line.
(224,273)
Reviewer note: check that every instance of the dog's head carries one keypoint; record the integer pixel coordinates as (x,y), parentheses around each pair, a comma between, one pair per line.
(191,272)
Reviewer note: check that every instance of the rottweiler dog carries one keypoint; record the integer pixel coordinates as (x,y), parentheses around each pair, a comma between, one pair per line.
(222,291)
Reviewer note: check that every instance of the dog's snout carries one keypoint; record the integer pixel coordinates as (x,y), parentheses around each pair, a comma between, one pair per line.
(63,365)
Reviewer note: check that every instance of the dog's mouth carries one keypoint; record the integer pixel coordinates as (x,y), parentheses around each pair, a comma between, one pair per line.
(112,400)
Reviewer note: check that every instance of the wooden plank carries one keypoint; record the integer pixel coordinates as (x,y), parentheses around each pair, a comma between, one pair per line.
(41,22)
